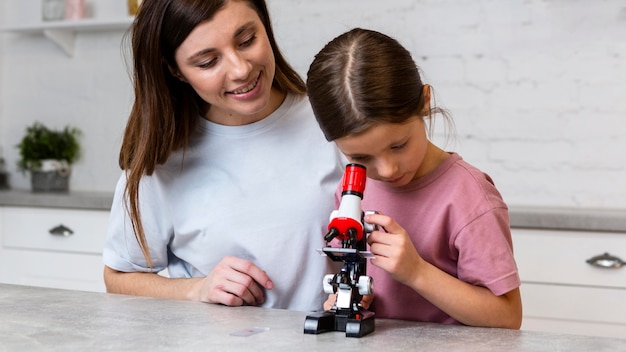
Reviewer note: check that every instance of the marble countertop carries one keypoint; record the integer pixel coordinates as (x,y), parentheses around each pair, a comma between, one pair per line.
(43,319)
(602,220)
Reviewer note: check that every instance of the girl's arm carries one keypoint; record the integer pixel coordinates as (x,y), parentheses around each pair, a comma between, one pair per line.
(467,303)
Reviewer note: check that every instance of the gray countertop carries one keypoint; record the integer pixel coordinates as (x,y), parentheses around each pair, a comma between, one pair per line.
(43,319)
(578,219)
(583,219)
(70,200)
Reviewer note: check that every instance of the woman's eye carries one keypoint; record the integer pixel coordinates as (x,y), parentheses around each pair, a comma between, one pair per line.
(248,42)
(207,64)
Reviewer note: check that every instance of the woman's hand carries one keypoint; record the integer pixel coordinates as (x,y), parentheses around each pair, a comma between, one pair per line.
(394,251)
(234,282)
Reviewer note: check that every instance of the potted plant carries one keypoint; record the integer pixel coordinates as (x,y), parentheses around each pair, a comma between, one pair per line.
(48,155)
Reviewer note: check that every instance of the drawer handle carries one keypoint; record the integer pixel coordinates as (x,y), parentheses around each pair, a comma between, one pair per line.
(61,231)
(606,261)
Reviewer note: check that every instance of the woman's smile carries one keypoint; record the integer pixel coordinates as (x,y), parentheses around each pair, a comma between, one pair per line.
(247,88)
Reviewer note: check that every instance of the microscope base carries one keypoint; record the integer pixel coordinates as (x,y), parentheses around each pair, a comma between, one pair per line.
(329,320)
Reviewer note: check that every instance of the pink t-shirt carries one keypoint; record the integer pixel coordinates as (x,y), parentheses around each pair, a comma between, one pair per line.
(458,222)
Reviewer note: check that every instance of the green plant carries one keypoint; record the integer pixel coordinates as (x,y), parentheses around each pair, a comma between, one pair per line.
(40,143)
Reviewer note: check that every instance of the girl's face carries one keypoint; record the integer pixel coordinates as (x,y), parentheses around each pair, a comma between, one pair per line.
(230,64)
(392,153)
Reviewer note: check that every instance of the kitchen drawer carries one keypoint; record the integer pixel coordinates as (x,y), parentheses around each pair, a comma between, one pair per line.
(576,303)
(560,257)
(30,228)
(578,310)
(71,271)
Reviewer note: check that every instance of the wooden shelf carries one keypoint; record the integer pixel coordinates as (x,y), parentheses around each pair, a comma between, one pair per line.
(63,33)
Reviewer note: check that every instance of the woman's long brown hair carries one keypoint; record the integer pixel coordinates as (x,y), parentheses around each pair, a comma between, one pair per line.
(166,110)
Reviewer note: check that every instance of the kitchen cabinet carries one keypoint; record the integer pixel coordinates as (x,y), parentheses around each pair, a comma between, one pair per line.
(63,33)
(562,291)
(52,247)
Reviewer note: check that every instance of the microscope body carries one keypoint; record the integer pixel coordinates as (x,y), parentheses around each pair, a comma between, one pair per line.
(351,283)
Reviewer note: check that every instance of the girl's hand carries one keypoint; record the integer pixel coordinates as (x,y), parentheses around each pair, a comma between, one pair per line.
(366,301)
(234,282)
(469,304)
(330,301)
(394,252)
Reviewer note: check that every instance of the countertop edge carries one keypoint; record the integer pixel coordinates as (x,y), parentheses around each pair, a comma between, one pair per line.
(563,218)
(70,200)
(532,217)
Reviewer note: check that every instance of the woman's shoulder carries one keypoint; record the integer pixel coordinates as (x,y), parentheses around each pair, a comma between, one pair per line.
(296,111)
(297,104)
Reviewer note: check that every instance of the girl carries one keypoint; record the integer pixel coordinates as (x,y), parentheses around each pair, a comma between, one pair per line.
(446,253)
(227,177)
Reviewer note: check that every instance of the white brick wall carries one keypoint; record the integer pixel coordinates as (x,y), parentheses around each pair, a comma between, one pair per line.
(537,89)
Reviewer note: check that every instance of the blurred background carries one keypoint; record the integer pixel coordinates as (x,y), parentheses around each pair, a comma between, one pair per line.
(536,88)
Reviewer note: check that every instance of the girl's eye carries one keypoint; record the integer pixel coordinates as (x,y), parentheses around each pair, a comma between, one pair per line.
(400,146)
(361,159)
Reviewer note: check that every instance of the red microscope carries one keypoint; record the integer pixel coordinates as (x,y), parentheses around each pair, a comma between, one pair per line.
(350,283)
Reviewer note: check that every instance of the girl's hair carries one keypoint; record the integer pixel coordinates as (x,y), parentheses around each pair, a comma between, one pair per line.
(167,110)
(362,78)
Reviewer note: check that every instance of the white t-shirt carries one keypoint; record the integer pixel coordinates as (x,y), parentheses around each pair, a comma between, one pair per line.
(261,192)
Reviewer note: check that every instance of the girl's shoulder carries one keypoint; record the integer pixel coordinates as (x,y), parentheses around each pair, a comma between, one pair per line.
(463,170)
(473,185)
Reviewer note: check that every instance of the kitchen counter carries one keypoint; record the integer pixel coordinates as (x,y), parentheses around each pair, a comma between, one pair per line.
(601,220)
(576,219)
(70,200)
(42,319)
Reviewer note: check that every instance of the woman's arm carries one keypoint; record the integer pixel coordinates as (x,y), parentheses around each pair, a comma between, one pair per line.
(147,284)
(233,282)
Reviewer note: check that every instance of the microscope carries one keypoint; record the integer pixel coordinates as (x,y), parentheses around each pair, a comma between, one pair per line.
(350,284)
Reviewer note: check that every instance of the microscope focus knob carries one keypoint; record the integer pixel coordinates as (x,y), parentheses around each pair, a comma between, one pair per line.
(365,285)
(327,283)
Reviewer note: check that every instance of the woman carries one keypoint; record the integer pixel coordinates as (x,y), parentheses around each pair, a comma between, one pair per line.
(227,180)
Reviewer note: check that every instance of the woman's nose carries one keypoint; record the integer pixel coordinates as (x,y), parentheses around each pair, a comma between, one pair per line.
(239,67)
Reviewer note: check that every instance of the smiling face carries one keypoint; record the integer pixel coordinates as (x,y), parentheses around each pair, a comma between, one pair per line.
(229,62)
(393,153)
